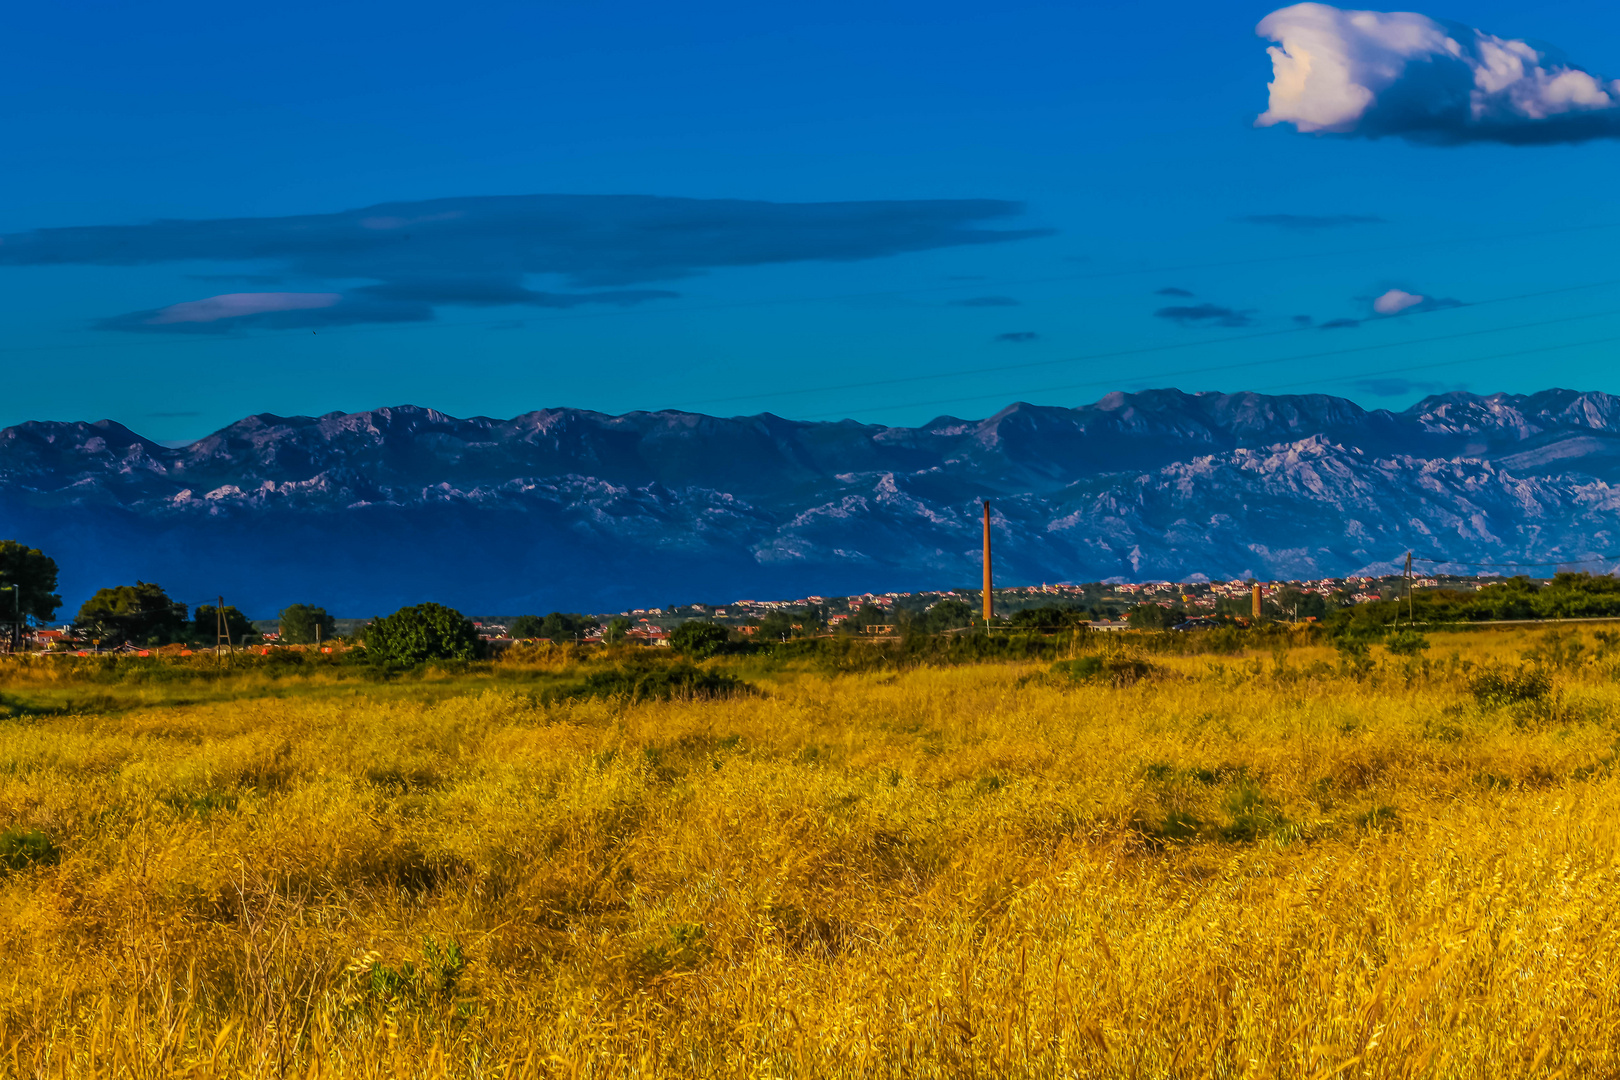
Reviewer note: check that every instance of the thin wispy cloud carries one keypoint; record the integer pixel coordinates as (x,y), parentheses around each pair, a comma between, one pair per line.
(1376,73)
(1018,337)
(986,302)
(1171,290)
(480,251)
(1310,222)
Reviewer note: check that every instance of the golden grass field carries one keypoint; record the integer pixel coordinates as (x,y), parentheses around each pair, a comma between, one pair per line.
(1258,865)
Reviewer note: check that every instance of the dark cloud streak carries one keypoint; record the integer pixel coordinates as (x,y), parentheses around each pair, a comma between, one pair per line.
(1205,315)
(479,250)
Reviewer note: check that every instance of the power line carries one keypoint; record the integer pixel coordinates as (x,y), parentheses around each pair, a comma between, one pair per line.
(1141,351)
(434,324)
(1452,363)
(1548,562)
(1256,363)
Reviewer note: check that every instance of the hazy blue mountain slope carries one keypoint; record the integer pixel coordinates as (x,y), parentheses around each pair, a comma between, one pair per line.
(576,509)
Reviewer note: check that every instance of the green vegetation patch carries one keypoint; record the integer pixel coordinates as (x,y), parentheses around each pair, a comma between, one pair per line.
(22,848)
(659,683)
(1096,668)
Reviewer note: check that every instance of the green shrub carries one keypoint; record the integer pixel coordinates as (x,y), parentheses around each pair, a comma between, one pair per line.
(698,639)
(657,683)
(22,848)
(1252,814)
(413,635)
(1498,687)
(1117,669)
(1406,643)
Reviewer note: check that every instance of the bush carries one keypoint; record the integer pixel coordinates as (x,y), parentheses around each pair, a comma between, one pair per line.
(1118,669)
(658,684)
(1511,687)
(698,639)
(1406,643)
(22,848)
(425,632)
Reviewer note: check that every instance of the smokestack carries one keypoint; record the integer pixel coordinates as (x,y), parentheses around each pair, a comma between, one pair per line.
(987,562)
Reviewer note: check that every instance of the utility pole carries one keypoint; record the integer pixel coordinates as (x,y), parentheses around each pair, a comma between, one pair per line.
(987,606)
(1255,604)
(1411,619)
(222,630)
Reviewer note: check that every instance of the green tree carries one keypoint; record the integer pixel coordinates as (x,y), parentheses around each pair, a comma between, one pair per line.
(141,613)
(563,626)
(1052,617)
(698,639)
(1151,617)
(205,625)
(1292,603)
(870,615)
(616,629)
(950,615)
(558,626)
(412,635)
(34,575)
(776,626)
(305,624)
(526,626)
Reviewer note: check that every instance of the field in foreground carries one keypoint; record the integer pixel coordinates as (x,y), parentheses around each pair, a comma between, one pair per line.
(1253,865)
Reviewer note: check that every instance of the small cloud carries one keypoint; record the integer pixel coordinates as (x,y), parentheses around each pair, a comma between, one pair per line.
(1396,301)
(1308,222)
(986,301)
(1398,387)
(1171,290)
(1399,302)
(1206,315)
(1376,73)
(1339,324)
(1018,337)
(1303,320)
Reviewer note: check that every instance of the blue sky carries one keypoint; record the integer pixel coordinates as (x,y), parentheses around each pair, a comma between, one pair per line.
(1038,185)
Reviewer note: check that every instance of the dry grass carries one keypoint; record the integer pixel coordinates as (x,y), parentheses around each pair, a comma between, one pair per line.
(1253,866)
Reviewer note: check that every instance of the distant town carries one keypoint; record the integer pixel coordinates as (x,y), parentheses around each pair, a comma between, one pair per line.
(1105,605)
(1146,605)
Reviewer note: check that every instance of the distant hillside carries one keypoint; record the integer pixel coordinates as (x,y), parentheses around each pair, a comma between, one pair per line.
(566,508)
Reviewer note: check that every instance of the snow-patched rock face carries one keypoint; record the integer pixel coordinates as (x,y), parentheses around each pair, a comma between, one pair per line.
(1159,483)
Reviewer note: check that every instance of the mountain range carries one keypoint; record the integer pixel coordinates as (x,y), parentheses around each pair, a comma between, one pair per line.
(577,510)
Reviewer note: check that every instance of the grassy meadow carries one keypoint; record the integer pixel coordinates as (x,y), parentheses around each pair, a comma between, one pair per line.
(1281,862)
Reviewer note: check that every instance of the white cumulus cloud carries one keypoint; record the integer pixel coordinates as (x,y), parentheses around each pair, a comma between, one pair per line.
(1396,301)
(1375,73)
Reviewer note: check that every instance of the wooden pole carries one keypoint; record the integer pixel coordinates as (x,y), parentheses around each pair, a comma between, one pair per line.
(987,608)
(222,630)
(1411,619)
